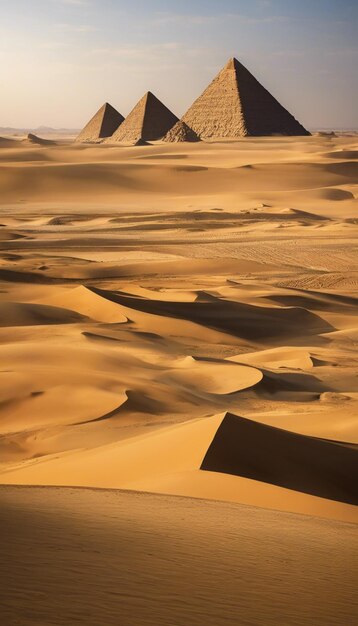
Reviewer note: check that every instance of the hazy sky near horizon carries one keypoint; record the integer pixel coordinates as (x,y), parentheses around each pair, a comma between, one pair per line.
(61,59)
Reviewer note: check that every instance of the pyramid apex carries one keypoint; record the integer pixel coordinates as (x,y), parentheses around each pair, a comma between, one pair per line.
(146,96)
(231,64)
(150,94)
(102,125)
(149,120)
(107,105)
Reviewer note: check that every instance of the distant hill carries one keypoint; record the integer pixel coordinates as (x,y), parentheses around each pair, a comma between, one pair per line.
(42,130)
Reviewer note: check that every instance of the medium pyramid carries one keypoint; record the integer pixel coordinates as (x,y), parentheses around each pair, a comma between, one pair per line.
(180,132)
(235,104)
(149,120)
(103,124)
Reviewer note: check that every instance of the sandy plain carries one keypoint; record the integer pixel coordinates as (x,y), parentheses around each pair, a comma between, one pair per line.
(178,328)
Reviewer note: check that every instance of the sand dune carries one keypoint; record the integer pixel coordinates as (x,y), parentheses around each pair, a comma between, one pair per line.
(276,358)
(333,417)
(122,464)
(316,466)
(149,291)
(58,405)
(150,268)
(214,377)
(332,193)
(21,314)
(172,460)
(6,142)
(86,302)
(95,179)
(239,319)
(317,301)
(179,318)
(34,139)
(343,154)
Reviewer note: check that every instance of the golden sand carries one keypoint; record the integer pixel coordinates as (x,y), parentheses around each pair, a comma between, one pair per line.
(180,319)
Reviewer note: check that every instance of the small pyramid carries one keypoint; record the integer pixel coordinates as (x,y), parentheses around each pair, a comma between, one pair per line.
(235,104)
(149,120)
(141,142)
(135,142)
(180,132)
(103,124)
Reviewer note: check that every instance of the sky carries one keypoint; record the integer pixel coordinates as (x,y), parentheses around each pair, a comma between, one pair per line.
(60,60)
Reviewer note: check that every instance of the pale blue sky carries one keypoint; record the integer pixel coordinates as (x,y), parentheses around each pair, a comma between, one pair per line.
(61,59)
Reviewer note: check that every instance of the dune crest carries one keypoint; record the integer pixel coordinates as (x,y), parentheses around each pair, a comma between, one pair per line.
(316,466)
(276,358)
(87,302)
(40,141)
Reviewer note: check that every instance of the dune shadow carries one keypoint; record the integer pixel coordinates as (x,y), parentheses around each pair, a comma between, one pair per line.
(236,318)
(319,467)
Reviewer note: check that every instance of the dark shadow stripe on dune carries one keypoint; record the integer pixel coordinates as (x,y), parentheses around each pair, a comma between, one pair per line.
(237,318)
(346,169)
(314,300)
(13,276)
(342,154)
(274,382)
(319,467)
(99,337)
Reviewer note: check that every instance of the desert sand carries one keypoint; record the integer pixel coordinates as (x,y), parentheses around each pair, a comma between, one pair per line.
(83,556)
(179,385)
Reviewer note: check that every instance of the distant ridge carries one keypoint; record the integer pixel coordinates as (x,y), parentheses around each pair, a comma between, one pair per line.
(35,139)
(235,104)
(149,120)
(9,130)
(103,124)
(180,132)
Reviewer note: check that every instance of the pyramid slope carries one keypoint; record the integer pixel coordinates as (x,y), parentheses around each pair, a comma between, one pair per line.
(235,104)
(103,124)
(180,132)
(149,120)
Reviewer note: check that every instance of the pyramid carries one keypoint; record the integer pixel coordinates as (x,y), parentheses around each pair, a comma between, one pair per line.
(103,124)
(140,142)
(180,132)
(235,104)
(149,120)
(135,142)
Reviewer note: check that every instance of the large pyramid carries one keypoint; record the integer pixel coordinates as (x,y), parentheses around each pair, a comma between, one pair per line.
(149,120)
(235,104)
(102,125)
